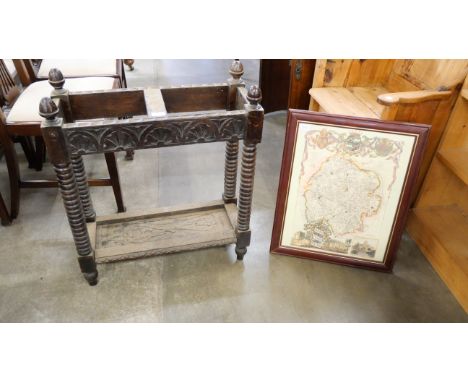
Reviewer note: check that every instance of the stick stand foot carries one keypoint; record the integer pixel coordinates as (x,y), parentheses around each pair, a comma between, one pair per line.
(240,253)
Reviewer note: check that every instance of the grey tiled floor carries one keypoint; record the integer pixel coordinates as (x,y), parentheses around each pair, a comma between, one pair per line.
(40,279)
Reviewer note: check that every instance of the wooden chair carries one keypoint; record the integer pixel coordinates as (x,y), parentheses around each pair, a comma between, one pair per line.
(11,67)
(4,215)
(8,91)
(37,70)
(419,91)
(23,120)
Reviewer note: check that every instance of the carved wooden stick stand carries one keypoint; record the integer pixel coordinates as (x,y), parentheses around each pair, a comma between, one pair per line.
(195,114)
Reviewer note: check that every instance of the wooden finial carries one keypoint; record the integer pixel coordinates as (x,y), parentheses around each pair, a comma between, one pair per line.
(48,109)
(56,79)
(236,70)
(254,96)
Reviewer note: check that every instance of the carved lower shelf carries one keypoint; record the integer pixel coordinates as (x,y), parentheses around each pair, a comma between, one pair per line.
(165,230)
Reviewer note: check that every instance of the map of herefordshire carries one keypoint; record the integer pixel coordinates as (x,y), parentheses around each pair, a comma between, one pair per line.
(342,194)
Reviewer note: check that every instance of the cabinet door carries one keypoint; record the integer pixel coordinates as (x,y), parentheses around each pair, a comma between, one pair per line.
(301,77)
(274,82)
(285,84)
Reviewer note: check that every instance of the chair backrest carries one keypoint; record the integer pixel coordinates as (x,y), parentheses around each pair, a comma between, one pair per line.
(25,70)
(8,89)
(407,75)
(394,75)
(345,73)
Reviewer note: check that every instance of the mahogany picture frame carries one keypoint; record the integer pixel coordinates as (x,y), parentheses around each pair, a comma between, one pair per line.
(419,131)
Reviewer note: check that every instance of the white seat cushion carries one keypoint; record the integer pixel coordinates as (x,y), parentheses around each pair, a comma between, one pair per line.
(26,107)
(79,68)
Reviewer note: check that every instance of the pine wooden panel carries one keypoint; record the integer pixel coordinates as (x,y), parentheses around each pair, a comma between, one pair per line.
(442,185)
(441,233)
(413,71)
(336,72)
(369,72)
(319,73)
(397,83)
(340,101)
(449,225)
(442,188)
(457,135)
(348,73)
(431,74)
(423,113)
(368,96)
(395,75)
(439,223)
(457,161)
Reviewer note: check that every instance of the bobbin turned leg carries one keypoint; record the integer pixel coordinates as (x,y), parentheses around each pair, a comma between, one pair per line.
(230,171)
(245,199)
(55,141)
(77,220)
(232,146)
(252,137)
(57,81)
(83,189)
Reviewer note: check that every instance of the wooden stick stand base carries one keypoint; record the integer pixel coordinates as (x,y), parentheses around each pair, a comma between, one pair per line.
(165,230)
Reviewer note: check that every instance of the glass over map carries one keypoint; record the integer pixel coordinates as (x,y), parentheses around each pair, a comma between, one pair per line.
(344,190)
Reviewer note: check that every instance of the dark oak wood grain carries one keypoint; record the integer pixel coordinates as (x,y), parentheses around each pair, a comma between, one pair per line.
(275,76)
(110,104)
(196,98)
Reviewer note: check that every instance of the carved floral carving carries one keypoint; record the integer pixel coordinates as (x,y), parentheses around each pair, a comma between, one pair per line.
(91,138)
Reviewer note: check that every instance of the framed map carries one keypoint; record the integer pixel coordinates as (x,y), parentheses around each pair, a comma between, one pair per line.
(345,188)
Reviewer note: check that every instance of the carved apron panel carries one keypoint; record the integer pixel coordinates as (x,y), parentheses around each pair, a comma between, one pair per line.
(91,138)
